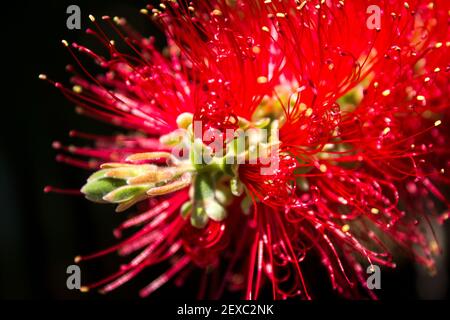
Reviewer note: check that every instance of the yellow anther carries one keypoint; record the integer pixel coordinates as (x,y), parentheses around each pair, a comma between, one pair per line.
(261,79)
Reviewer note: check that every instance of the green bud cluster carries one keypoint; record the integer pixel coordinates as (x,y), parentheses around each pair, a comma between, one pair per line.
(213,185)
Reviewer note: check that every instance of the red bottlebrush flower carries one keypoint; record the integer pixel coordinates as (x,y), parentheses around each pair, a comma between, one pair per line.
(354,164)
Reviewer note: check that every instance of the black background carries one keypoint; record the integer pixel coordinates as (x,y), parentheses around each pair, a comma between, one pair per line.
(41,233)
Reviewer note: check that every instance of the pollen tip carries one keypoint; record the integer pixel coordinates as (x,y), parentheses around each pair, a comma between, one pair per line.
(77,259)
(65,43)
(91,17)
(56,145)
(43,76)
(84,289)
(437,123)
(261,80)
(77,89)
(144,11)
(47,189)
(216,12)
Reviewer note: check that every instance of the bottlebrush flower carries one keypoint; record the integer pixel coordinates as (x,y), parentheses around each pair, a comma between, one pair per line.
(356,121)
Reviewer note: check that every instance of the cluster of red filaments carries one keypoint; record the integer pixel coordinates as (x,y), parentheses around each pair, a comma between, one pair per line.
(363,127)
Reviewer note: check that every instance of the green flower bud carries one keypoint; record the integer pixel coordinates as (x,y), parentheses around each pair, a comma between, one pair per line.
(96,189)
(199,218)
(214,210)
(186,209)
(184,120)
(236,186)
(126,193)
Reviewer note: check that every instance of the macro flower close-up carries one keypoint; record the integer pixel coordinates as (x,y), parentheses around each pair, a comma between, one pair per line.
(261,149)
